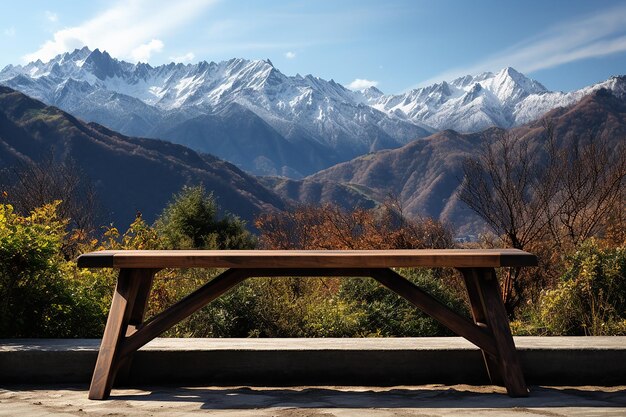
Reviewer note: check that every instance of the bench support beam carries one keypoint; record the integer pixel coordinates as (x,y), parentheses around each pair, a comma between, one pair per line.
(487,305)
(183,309)
(126,331)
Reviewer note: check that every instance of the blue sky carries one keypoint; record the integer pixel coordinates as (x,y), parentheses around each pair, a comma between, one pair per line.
(394,44)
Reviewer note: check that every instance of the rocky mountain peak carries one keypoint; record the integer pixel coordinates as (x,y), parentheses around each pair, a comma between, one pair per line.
(79,54)
(509,84)
(101,64)
(371,93)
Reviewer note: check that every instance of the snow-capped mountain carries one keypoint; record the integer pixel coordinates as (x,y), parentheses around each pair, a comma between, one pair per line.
(288,115)
(249,113)
(474,103)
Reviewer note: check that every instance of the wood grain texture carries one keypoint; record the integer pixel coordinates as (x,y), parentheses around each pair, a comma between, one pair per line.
(308,272)
(480,318)
(461,258)
(510,368)
(128,283)
(136,318)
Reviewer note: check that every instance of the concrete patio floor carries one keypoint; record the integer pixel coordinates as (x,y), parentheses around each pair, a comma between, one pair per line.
(423,400)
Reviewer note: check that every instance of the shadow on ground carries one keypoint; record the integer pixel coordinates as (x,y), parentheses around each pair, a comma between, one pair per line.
(350,397)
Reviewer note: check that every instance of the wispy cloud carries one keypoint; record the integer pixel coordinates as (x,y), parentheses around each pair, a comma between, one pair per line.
(232,47)
(597,35)
(361,84)
(188,57)
(143,52)
(10,32)
(51,16)
(128,29)
(262,30)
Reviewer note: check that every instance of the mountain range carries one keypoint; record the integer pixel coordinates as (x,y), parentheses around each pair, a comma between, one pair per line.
(249,113)
(129,174)
(474,103)
(425,175)
(243,111)
(318,141)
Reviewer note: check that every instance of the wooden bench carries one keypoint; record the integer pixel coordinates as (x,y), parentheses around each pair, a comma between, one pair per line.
(126,331)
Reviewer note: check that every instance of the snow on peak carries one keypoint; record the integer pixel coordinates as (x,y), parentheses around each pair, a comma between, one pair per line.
(470,80)
(470,103)
(371,93)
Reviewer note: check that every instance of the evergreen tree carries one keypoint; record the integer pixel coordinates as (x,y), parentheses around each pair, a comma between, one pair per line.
(191,220)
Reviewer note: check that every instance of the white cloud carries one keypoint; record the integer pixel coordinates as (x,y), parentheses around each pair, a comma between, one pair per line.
(51,16)
(597,35)
(361,84)
(188,57)
(10,32)
(143,52)
(290,55)
(128,29)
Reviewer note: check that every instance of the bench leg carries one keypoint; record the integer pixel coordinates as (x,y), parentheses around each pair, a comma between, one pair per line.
(480,318)
(126,291)
(137,314)
(487,305)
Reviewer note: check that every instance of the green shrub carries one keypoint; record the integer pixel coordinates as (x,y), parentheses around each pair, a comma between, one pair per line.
(227,316)
(319,307)
(387,314)
(40,294)
(302,307)
(590,298)
(274,307)
(191,221)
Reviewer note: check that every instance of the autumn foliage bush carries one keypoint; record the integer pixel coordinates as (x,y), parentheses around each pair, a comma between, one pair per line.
(562,200)
(44,294)
(363,306)
(330,227)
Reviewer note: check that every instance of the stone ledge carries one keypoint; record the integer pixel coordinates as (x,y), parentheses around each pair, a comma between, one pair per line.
(375,361)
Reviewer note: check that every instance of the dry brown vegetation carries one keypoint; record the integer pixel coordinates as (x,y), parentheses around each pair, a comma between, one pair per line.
(547,200)
(374,310)
(29,185)
(330,227)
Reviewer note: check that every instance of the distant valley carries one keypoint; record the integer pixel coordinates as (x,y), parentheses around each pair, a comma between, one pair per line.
(426,174)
